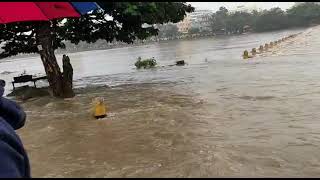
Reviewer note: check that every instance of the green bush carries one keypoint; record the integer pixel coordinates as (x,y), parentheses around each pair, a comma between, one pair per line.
(146,63)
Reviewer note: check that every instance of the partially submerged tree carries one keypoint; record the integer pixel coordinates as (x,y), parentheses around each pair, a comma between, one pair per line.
(121,21)
(145,63)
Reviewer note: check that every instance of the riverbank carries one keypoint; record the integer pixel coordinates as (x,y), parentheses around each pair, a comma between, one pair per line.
(102,45)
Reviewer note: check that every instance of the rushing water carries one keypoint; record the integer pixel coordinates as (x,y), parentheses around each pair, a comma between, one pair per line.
(219,115)
(116,66)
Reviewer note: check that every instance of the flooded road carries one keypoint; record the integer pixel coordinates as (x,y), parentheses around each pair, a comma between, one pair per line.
(224,117)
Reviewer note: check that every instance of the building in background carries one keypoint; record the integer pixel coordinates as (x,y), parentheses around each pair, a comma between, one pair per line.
(184,25)
(199,19)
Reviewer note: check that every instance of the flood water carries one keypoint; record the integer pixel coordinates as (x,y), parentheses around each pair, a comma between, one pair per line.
(218,116)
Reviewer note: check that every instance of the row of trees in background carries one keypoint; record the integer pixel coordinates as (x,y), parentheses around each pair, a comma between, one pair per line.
(171,31)
(301,15)
(225,22)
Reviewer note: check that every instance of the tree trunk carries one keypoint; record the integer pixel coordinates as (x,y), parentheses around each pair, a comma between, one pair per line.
(67,77)
(46,51)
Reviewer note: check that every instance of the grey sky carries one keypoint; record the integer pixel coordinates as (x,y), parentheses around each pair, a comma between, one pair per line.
(233,5)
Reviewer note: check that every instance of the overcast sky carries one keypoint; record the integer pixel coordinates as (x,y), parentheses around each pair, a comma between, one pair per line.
(233,5)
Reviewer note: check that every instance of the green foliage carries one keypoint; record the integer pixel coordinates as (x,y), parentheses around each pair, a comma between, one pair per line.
(146,63)
(274,19)
(219,20)
(126,25)
(303,14)
(238,20)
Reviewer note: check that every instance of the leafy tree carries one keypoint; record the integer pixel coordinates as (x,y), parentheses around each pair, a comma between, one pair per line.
(223,12)
(237,20)
(274,19)
(145,63)
(126,25)
(304,14)
(219,20)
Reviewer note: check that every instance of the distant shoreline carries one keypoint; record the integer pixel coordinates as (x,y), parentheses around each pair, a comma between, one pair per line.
(148,42)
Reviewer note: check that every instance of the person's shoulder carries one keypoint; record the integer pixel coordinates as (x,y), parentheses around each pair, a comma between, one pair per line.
(14,161)
(7,133)
(4,127)
(8,136)
(12,113)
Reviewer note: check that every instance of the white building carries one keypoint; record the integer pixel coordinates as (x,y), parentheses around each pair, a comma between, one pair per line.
(201,19)
(198,19)
(185,24)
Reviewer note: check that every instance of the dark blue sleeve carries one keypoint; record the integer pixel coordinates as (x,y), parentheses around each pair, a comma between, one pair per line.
(12,113)
(9,163)
(14,161)
(13,158)
(2,85)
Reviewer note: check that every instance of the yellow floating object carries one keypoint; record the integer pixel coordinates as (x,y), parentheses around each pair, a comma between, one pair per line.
(100,109)
(271,45)
(261,49)
(246,55)
(253,51)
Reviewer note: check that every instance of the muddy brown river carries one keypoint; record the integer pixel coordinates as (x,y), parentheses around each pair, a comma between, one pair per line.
(218,116)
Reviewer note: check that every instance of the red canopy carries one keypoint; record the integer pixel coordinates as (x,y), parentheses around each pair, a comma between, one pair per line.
(55,10)
(35,11)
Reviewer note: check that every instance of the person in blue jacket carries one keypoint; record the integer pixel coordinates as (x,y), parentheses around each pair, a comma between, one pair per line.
(14,162)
